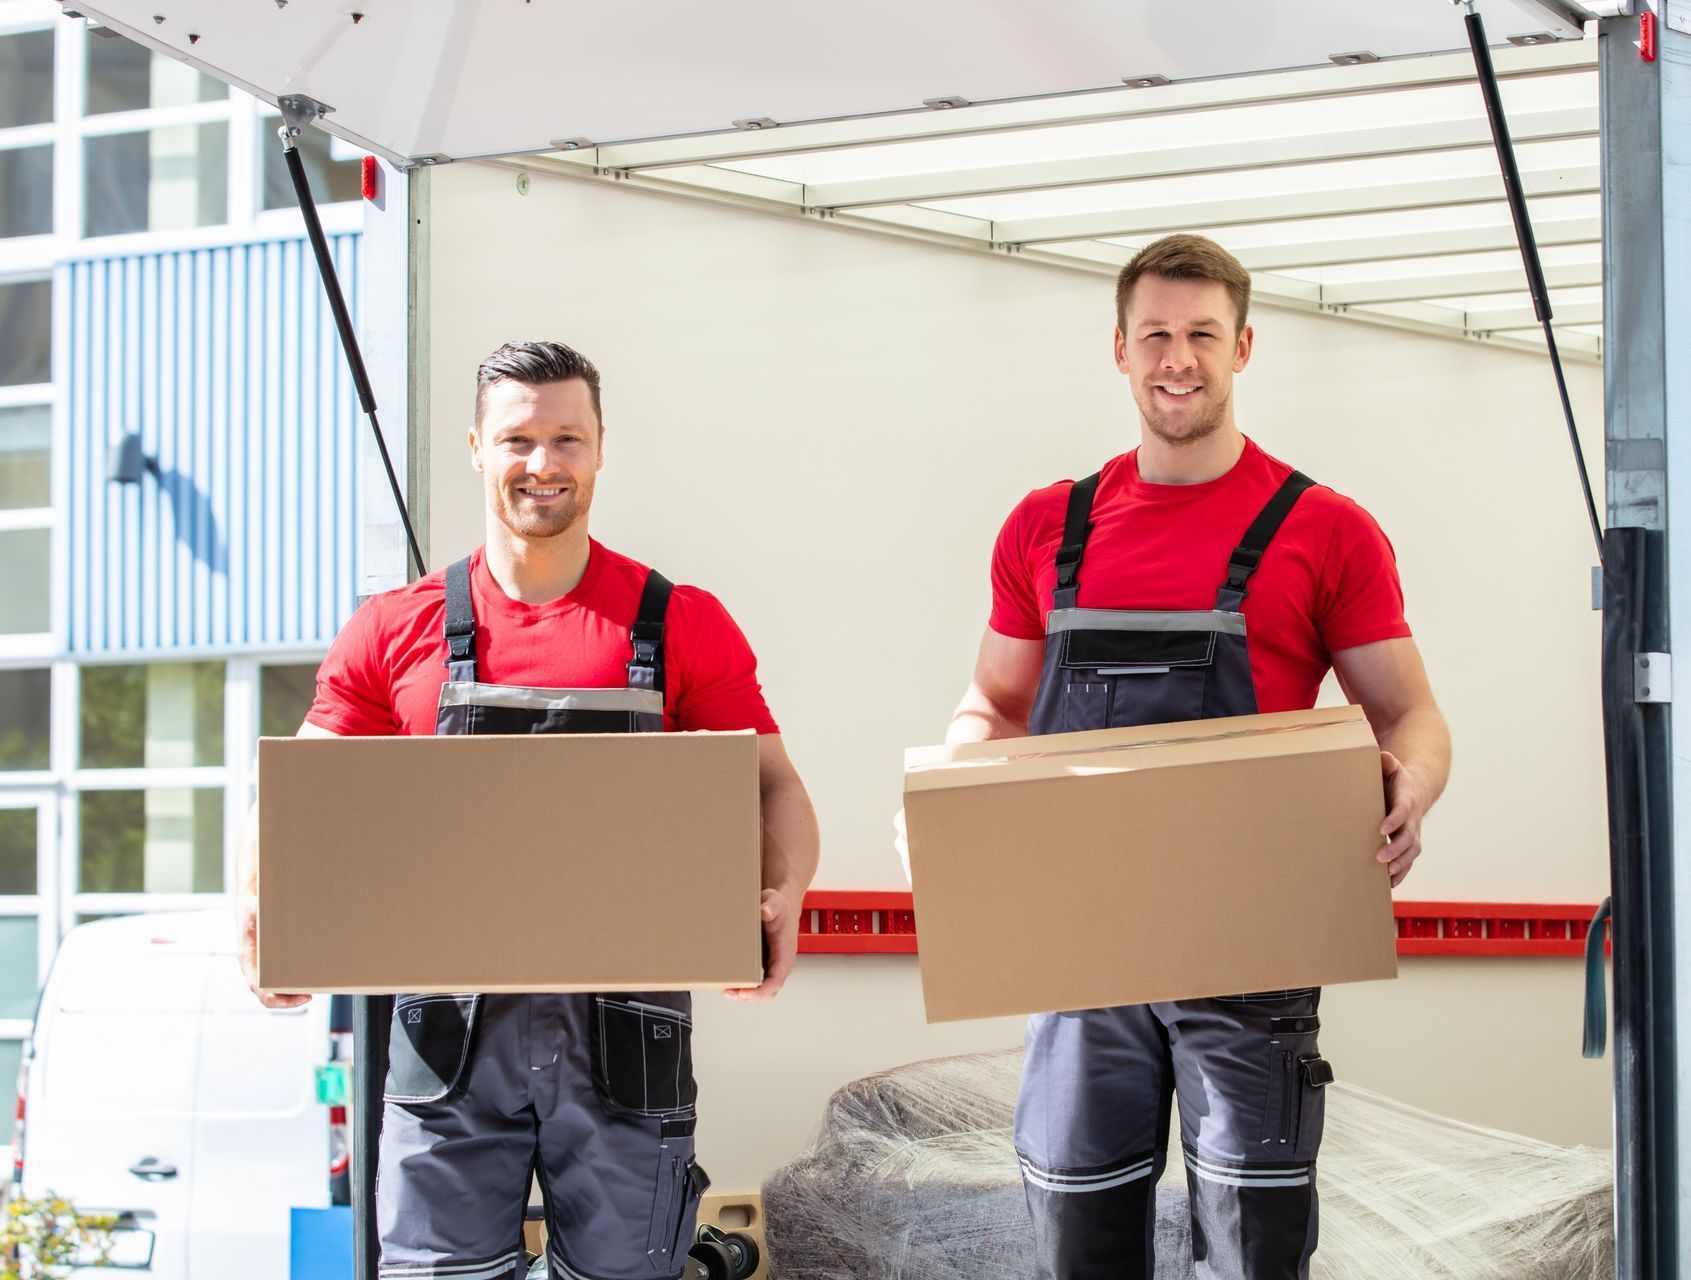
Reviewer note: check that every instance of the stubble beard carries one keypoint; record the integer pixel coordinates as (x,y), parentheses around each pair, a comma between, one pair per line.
(1191,430)
(528,522)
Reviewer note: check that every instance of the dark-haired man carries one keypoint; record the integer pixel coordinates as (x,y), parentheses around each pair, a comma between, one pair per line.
(543,630)
(1200,532)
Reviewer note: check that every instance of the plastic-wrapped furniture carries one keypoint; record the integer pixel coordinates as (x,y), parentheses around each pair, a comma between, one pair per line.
(914,1177)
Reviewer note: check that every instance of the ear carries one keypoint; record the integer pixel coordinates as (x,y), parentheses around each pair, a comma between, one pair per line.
(475,448)
(1242,353)
(1121,350)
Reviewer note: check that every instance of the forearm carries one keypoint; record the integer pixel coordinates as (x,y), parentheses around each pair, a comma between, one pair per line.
(980,718)
(1420,740)
(792,843)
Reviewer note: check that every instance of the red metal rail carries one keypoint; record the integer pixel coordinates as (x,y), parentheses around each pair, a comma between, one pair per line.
(881,922)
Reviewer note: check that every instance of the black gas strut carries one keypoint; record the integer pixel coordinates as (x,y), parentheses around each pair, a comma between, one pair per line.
(1523,234)
(297,112)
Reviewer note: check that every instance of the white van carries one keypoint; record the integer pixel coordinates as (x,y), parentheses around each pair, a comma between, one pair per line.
(154,1086)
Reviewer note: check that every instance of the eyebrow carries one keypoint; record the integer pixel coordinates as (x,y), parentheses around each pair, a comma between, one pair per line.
(1164,324)
(532,429)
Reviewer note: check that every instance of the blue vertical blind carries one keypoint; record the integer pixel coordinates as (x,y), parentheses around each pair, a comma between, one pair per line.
(225,360)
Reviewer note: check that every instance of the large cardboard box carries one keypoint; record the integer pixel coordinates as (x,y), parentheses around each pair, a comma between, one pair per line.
(1080,870)
(540,862)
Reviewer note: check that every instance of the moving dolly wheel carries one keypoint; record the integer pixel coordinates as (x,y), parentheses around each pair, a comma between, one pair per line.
(722,1255)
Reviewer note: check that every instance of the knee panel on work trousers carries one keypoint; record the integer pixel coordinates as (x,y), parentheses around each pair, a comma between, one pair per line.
(1091,1134)
(1250,1081)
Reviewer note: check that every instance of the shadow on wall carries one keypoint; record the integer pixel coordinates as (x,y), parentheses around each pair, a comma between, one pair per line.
(195,523)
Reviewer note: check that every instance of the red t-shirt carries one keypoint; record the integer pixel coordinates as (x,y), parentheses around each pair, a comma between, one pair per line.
(385,670)
(1328,580)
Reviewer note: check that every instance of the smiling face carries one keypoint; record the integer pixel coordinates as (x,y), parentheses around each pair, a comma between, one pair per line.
(539,450)
(1180,348)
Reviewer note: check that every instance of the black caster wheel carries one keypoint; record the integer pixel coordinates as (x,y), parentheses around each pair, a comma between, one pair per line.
(708,1260)
(724,1255)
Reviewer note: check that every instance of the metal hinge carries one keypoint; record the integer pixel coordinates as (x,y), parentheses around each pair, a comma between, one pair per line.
(1652,677)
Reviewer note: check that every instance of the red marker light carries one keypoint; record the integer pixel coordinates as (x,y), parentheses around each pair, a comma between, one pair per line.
(1647,35)
(367,177)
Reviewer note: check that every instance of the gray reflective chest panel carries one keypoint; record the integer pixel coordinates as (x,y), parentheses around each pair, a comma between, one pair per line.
(1114,668)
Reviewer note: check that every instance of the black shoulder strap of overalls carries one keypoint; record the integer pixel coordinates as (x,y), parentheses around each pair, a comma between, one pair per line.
(1077,524)
(460,617)
(645,671)
(1248,554)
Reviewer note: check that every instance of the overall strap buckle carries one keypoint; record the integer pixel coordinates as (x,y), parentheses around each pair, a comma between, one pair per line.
(645,670)
(460,625)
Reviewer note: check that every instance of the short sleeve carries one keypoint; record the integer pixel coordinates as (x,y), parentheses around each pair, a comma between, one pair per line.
(353,695)
(1015,597)
(1360,598)
(711,672)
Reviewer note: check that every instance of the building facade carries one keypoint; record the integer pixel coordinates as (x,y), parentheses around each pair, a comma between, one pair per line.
(159,610)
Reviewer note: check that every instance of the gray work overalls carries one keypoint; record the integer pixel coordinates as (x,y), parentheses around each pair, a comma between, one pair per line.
(593,1093)
(1092,1119)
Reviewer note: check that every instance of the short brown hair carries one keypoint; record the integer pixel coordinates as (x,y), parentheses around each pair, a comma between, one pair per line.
(1185,257)
(535,364)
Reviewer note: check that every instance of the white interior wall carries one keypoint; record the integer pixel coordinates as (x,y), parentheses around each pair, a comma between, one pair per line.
(826,428)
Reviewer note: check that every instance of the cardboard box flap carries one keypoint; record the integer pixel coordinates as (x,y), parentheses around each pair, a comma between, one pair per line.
(1143,747)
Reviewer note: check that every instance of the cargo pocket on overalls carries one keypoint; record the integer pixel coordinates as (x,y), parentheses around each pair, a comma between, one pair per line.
(1295,1106)
(642,1058)
(1159,676)
(681,1184)
(428,1046)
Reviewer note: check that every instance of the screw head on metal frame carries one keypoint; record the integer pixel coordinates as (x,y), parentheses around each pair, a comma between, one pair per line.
(572,144)
(1355,59)
(944,104)
(756,122)
(1144,82)
(1532,37)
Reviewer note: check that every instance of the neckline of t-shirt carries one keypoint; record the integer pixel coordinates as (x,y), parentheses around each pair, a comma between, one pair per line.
(1148,489)
(490,595)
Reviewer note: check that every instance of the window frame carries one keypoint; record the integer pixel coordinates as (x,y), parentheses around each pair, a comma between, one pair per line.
(29,793)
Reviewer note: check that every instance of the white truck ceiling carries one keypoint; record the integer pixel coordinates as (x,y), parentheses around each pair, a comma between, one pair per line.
(458,79)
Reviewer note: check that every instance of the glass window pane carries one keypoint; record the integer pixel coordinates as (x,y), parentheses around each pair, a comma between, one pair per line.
(334,175)
(26,702)
(20,967)
(11,1056)
(157,180)
(26,78)
(164,840)
(124,76)
(17,849)
(26,191)
(24,568)
(156,717)
(284,696)
(26,332)
(26,457)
